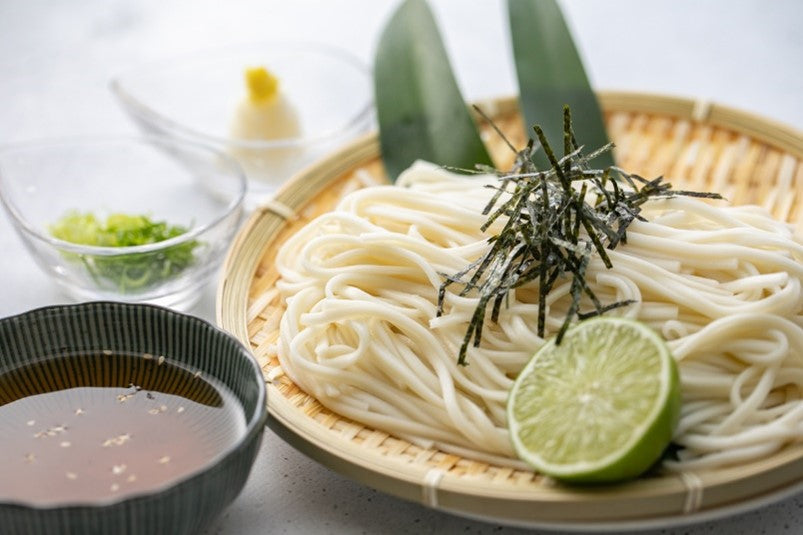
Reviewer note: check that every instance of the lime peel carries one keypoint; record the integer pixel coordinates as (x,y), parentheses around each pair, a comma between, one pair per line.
(600,407)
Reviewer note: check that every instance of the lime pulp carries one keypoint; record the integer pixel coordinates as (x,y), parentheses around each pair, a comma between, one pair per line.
(600,407)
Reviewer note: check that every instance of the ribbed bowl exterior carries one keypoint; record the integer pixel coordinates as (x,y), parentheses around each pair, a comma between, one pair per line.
(184,506)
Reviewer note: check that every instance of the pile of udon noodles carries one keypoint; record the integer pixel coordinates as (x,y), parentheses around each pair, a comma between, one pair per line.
(722,284)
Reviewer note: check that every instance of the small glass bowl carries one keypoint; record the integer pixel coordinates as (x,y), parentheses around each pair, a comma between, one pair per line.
(197,97)
(178,182)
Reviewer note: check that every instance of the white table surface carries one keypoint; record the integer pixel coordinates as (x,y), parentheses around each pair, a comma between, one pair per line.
(56,58)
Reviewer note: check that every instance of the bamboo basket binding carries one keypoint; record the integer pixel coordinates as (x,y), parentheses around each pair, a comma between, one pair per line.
(695,145)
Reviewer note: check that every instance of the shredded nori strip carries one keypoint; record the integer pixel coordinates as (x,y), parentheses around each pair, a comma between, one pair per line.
(556,219)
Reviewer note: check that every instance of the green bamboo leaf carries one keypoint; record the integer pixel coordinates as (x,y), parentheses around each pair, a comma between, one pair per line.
(551,75)
(421,113)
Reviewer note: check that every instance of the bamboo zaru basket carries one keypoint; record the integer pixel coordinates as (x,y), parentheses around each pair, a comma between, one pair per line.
(696,145)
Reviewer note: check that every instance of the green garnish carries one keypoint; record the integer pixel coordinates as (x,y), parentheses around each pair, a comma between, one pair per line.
(421,113)
(551,75)
(130,271)
(556,219)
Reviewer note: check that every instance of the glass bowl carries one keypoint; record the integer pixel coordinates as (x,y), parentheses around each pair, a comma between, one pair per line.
(198,97)
(176,182)
(109,332)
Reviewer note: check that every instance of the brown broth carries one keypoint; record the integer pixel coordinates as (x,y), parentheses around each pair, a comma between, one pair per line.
(94,427)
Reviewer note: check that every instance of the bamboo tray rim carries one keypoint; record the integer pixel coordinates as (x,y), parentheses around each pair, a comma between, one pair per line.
(458,494)
(770,131)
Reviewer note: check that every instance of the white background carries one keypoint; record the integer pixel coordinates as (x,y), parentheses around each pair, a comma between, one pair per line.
(56,58)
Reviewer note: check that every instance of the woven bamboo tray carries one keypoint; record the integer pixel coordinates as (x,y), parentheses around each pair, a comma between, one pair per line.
(695,144)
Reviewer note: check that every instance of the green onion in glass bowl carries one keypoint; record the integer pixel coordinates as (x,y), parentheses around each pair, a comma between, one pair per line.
(140,219)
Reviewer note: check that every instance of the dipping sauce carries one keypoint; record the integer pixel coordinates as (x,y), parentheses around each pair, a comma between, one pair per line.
(94,427)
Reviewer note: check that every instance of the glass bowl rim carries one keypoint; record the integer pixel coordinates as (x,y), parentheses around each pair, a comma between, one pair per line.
(146,113)
(94,140)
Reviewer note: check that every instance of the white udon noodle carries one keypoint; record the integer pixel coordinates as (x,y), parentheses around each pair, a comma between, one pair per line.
(360,333)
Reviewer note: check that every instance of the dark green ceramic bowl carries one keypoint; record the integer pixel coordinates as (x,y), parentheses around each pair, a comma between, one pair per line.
(182,506)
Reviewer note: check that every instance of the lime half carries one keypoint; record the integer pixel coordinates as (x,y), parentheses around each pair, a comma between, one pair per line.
(599,407)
